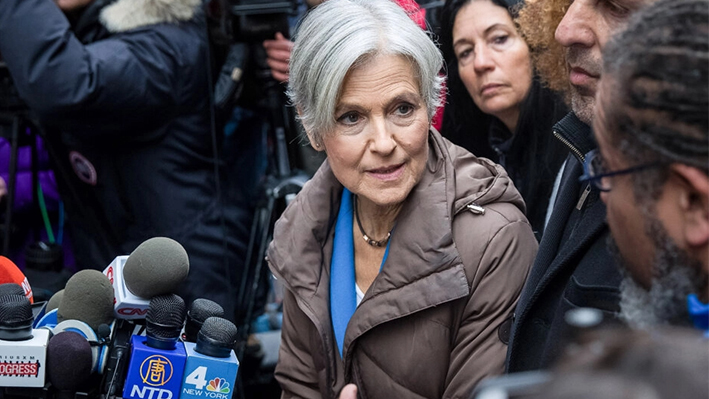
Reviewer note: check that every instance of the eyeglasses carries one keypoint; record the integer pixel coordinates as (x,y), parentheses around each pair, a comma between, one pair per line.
(594,171)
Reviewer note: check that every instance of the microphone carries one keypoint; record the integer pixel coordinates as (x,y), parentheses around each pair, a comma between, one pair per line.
(11,289)
(157,360)
(117,362)
(23,351)
(55,300)
(69,361)
(10,273)
(200,310)
(211,367)
(157,266)
(88,297)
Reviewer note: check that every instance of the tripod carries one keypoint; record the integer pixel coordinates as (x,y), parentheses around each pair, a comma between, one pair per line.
(281,184)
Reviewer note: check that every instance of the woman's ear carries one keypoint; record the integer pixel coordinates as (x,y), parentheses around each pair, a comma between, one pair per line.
(317,146)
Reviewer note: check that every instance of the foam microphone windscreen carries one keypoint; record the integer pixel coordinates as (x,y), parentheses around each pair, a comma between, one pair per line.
(88,297)
(55,300)
(10,273)
(199,311)
(11,289)
(156,267)
(69,360)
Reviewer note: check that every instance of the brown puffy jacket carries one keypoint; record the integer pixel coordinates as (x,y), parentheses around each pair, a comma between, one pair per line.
(433,322)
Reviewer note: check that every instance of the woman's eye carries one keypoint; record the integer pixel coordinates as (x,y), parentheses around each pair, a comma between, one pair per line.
(349,118)
(500,39)
(405,109)
(464,54)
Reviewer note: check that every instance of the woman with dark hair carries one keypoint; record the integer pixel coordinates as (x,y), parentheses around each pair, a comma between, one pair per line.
(496,106)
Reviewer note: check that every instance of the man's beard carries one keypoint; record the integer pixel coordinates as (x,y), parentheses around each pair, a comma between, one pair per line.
(675,275)
(583,98)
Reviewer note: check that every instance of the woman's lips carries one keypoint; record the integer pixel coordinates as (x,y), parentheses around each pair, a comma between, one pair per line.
(490,88)
(388,172)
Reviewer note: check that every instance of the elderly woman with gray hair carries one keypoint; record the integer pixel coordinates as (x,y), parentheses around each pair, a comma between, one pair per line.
(404,255)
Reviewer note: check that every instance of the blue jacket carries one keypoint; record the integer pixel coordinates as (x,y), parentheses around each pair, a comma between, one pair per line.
(573,267)
(123,94)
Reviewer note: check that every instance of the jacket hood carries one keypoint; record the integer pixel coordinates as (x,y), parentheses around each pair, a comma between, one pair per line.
(124,15)
(453,179)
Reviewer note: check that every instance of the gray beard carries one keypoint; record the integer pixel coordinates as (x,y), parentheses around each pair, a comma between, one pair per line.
(676,275)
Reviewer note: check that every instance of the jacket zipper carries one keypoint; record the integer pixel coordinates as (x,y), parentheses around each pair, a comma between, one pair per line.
(571,146)
(582,157)
(475,208)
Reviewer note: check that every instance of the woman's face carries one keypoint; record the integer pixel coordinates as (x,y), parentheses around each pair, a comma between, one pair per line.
(493,59)
(379,146)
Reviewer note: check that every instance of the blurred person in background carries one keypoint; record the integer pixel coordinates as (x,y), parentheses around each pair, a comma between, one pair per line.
(403,256)
(121,89)
(497,107)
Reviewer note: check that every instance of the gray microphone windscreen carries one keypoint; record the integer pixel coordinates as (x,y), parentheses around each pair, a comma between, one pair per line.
(156,267)
(69,360)
(55,300)
(11,289)
(88,297)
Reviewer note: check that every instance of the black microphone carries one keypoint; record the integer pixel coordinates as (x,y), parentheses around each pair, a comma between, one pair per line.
(117,364)
(23,350)
(199,311)
(157,360)
(11,289)
(69,361)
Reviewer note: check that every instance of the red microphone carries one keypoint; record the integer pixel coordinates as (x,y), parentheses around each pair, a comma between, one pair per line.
(10,273)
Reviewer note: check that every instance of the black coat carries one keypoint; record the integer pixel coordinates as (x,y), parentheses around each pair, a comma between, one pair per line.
(126,105)
(573,267)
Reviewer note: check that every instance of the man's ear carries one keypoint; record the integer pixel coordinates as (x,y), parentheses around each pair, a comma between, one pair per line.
(694,203)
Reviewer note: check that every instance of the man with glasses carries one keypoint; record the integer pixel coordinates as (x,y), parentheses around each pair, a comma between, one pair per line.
(652,127)
(573,267)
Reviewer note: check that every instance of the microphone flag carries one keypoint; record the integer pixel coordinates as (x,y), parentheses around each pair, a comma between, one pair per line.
(208,376)
(154,373)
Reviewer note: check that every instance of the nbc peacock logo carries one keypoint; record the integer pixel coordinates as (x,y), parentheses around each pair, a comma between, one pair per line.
(218,385)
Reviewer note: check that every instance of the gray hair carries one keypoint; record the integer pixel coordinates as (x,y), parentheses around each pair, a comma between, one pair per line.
(339,35)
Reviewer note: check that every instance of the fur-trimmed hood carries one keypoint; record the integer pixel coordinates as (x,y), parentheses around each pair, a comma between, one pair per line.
(125,15)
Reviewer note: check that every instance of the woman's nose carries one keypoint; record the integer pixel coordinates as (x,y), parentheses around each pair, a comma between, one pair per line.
(483,59)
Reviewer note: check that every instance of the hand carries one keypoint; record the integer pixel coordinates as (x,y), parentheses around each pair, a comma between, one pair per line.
(3,187)
(277,56)
(349,392)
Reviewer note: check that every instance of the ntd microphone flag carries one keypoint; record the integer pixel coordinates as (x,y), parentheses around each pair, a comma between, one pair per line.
(154,373)
(207,376)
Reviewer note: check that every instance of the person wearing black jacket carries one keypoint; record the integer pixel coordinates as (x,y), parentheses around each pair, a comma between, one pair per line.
(512,126)
(122,91)
(573,267)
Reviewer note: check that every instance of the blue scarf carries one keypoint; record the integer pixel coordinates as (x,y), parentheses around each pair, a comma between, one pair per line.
(343,297)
